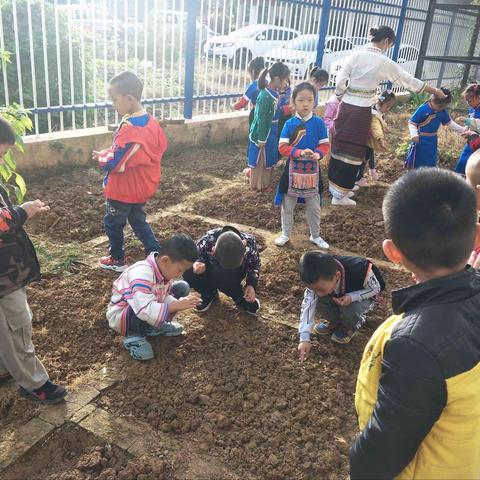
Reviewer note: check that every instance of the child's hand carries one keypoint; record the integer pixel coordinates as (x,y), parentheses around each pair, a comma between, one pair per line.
(468,133)
(415,139)
(474,260)
(95,155)
(344,301)
(249,294)
(187,303)
(316,156)
(307,153)
(304,350)
(34,208)
(460,119)
(199,268)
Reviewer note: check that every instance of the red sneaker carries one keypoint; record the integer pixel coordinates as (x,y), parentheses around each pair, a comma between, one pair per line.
(109,263)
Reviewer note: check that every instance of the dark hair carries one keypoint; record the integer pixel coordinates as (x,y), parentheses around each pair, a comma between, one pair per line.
(319,75)
(127,83)
(317,265)
(382,33)
(255,67)
(443,102)
(301,87)
(430,215)
(278,69)
(386,96)
(229,250)
(7,135)
(179,247)
(473,88)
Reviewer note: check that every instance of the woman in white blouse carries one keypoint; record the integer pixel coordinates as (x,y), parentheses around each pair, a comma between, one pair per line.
(357,82)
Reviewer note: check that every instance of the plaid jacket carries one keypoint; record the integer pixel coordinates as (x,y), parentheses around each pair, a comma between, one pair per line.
(18,261)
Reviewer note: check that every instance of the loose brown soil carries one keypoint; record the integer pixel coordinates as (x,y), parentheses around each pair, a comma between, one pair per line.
(231,391)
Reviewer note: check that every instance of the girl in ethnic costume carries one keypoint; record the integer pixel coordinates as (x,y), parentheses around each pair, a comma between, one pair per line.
(423,126)
(376,139)
(263,147)
(472,96)
(304,140)
(357,82)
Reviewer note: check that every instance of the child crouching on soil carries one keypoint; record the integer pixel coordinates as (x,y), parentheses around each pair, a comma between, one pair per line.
(132,167)
(19,267)
(145,298)
(226,257)
(343,289)
(304,140)
(417,395)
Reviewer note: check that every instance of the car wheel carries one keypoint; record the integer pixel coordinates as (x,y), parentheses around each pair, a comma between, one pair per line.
(242,58)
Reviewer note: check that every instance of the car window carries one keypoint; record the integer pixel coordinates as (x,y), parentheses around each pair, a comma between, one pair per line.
(338,45)
(407,54)
(289,35)
(272,34)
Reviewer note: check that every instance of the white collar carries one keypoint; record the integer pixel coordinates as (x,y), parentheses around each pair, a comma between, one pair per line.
(305,119)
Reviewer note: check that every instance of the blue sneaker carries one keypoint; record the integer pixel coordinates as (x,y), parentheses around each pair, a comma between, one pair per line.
(138,347)
(342,335)
(167,329)
(323,328)
(49,393)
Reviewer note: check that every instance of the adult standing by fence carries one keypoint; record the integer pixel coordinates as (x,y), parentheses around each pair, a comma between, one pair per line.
(357,83)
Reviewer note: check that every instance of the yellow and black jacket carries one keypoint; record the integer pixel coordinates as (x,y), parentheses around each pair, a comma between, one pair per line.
(418,389)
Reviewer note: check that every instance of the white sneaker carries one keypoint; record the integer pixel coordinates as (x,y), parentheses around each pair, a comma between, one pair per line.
(319,242)
(356,188)
(281,241)
(343,201)
(350,194)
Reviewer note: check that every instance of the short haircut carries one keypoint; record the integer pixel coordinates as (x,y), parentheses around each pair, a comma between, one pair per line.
(127,83)
(430,215)
(178,248)
(472,170)
(315,266)
(303,86)
(319,75)
(443,102)
(230,250)
(7,135)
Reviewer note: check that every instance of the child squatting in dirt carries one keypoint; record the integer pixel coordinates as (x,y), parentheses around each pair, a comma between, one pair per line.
(226,257)
(19,267)
(343,289)
(145,297)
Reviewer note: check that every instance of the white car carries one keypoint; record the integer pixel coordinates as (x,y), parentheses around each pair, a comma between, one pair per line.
(300,54)
(407,58)
(248,42)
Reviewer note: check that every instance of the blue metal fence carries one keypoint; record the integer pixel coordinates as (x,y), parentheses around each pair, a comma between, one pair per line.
(192,54)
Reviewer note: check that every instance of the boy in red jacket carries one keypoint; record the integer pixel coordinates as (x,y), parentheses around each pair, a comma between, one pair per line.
(132,166)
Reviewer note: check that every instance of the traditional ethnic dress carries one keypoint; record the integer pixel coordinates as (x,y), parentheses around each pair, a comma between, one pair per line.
(301,179)
(467,151)
(264,130)
(357,83)
(425,123)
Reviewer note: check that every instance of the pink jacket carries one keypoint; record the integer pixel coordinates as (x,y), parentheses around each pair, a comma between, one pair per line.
(331,109)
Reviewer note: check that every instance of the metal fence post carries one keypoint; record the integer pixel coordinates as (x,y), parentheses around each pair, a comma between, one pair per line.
(190,58)
(322,35)
(425,38)
(401,23)
(447,48)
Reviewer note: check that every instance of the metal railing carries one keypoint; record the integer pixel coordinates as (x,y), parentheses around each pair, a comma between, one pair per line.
(192,54)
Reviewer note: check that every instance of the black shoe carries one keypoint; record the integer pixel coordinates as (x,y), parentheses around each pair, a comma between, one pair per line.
(48,394)
(5,378)
(251,308)
(207,301)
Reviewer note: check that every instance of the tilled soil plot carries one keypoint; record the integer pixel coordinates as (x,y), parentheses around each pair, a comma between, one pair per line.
(77,202)
(72,453)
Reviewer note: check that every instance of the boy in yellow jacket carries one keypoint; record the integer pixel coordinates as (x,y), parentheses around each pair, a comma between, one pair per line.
(418,388)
